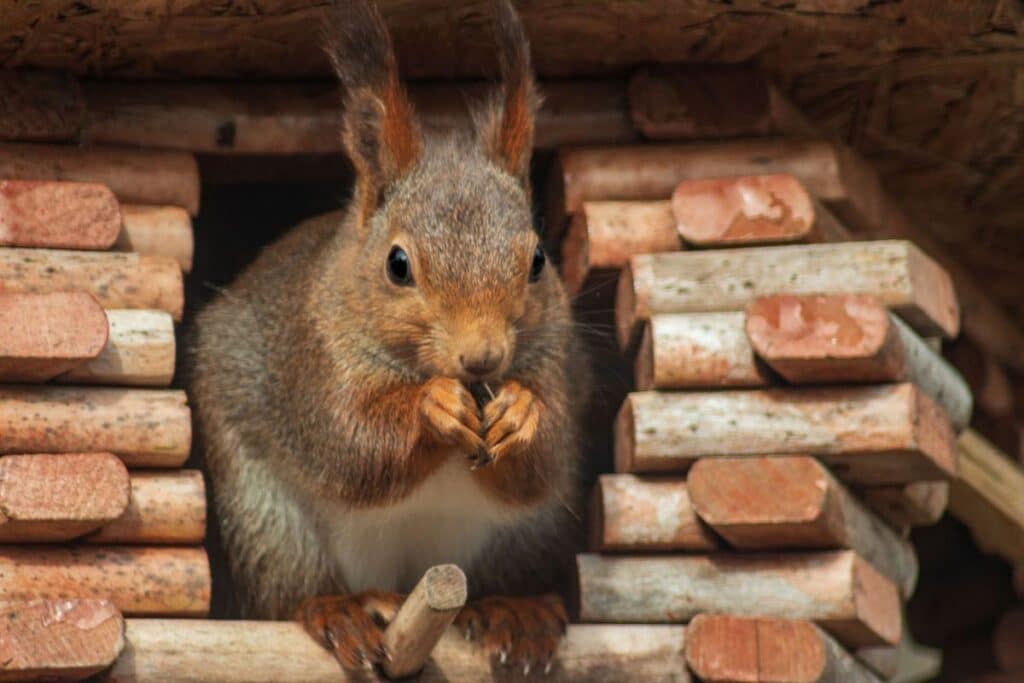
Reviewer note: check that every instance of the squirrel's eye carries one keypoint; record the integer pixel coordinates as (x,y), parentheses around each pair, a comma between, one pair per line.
(539,259)
(399,268)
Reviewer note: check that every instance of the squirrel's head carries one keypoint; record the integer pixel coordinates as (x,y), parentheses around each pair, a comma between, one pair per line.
(449,263)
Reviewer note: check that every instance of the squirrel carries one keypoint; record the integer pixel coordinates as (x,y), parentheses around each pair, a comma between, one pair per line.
(399,383)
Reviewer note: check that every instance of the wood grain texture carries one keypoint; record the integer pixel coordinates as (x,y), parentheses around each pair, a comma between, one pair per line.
(157,231)
(39,106)
(59,215)
(919,503)
(140,351)
(164,508)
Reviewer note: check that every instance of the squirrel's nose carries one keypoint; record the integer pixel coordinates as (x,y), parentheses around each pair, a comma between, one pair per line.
(481,363)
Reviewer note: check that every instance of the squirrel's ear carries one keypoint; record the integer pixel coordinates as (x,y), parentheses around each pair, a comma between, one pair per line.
(506,121)
(379,128)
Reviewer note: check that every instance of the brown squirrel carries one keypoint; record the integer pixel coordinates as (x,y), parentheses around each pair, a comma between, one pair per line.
(338,381)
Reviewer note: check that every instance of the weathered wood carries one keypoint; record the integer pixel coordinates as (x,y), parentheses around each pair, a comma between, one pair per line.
(907,662)
(165,508)
(189,650)
(919,503)
(897,272)
(46,334)
(645,513)
(145,428)
(868,435)
(728,649)
(59,497)
(140,351)
(794,502)
(157,231)
(60,215)
(427,612)
(851,338)
(39,106)
(837,590)
(58,640)
(116,280)
(138,581)
(135,176)
(1007,640)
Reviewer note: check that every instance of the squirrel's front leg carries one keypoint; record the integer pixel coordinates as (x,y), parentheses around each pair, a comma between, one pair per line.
(449,417)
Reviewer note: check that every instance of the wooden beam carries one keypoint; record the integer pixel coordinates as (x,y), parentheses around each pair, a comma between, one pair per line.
(58,215)
(919,503)
(157,231)
(140,351)
(39,106)
(165,508)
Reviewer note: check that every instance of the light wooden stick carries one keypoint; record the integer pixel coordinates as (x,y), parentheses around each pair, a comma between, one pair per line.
(60,215)
(794,502)
(138,581)
(898,273)
(164,508)
(139,352)
(58,640)
(39,106)
(888,434)
(918,503)
(157,231)
(423,618)
(145,428)
(837,590)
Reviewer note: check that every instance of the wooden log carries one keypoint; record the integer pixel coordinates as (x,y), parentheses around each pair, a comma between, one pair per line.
(138,581)
(644,513)
(58,640)
(726,649)
(139,352)
(135,176)
(190,650)
(898,273)
(888,434)
(59,497)
(794,502)
(116,280)
(907,662)
(427,612)
(851,338)
(603,235)
(919,503)
(59,215)
(837,590)
(697,350)
(46,334)
(1007,640)
(747,210)
(157,231)
(39,106)
(145,428)
(165,508)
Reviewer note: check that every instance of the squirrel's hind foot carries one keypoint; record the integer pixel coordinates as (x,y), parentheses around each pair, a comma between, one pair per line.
(522,633)
(351,626)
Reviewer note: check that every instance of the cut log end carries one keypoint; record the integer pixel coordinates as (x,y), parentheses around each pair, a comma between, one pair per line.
(874,599)
(630,302)
(57,215)
(157,231)
(624,429)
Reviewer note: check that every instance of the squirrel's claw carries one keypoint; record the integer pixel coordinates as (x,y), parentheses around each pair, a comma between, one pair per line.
(350,626)
(450,415)
(518,632)
(511,420)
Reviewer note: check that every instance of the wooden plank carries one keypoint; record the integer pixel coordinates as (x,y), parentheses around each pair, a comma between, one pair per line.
(919,503)
(645,513)
(728,649)
(165,508)
(58,640)
(896,272)
(46,334)
(794,502)
(145,428)
(59,497)
(837,590)
(59,215)
(116,280)
(138,581)
(135,176)
(189,650)
(830,339)
(139,352)
(157,231)
(39,106)
(886,434)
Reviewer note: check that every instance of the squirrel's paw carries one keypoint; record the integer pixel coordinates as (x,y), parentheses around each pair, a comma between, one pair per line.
(350,626)
(517,632)
(450,416)
(510,420)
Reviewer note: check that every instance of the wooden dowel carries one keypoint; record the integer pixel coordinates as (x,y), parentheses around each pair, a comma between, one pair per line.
(794,502)
(191,650)
(907,661)
(897,272)
(45,334)
(427,612)
(116,280)
(886,434)
(697,350)
(59,215)
(837,590)
(139,352)
(851,338)
(164,508)
(919,503)
(725,649)
(157,231)
(145,428)
(1007,641)
(643,513)
(138,581)
(135,176)
(59,497)
(39,106)
(58,640)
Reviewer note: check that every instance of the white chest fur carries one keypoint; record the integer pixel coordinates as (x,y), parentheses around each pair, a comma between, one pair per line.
(447,518)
